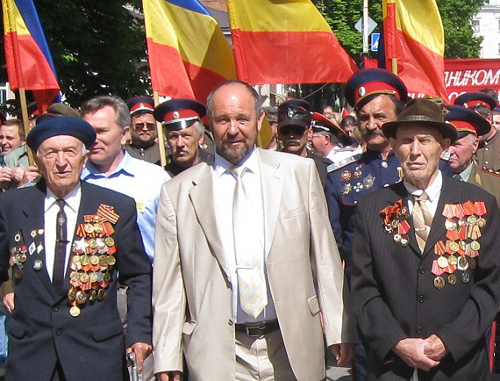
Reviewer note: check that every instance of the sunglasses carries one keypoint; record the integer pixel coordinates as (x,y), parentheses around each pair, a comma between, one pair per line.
(140,126)
(295,130)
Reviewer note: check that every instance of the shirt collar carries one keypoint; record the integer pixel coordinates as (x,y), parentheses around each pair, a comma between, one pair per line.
(125,166)
(72,199)
(433,190)
(250,161)
(465,174)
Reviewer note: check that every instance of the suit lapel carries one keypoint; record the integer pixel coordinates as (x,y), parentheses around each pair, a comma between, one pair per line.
(272,190)
(205,212)
(33,233)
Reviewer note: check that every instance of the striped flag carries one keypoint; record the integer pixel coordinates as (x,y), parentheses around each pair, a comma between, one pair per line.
(285,41)
(188,53)
(414,37)
(29,63)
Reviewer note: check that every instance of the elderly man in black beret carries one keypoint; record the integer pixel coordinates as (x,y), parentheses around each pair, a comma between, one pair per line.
(425,276)
(64,241)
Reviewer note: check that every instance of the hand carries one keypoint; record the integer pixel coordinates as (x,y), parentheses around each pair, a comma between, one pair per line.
(343,353)
(169,376)
(141,351)
(28,174)
(8,302)
(5,175)
(435,348)
(411,351)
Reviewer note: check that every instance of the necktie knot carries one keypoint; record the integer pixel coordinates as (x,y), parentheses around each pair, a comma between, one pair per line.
(422,197)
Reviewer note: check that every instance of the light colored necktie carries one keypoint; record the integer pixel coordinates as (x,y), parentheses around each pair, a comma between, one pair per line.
(252,289)
(422,220)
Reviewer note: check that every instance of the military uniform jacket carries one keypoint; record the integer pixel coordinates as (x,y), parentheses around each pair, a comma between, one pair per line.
(41,331)
(488,154)
(347,183)
(395,295)
(487,180)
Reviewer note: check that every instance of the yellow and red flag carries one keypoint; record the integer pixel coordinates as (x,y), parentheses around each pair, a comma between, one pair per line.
(285,41)
(188,53)
(29,63)
(414,37)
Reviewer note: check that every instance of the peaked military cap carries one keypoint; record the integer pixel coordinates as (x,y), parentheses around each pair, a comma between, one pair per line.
(295,112)
(476,99)
(177,114)
(140,105)
(466,121)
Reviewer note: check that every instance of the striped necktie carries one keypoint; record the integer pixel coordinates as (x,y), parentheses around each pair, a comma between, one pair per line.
(422,220)
(252,289)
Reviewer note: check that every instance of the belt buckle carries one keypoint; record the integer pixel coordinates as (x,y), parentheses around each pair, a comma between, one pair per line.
(255,331)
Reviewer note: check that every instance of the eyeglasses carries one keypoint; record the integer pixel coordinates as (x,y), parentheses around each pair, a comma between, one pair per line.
(140,126)
(317,136)
(295,130)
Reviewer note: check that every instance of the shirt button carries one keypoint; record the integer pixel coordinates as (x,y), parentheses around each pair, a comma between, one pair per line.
(384,164)
(420,298)
(421,270)
(59,332)
(419,331)
(230,322)
(55,309)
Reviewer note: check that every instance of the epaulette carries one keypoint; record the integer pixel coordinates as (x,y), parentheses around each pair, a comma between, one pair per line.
(343,163)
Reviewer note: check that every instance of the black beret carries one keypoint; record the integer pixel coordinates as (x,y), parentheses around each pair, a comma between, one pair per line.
(295,112)
(63,125)
(177,114)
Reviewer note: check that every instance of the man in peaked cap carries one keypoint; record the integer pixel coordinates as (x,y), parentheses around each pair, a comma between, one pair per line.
(144,145)
(426,271)
(488,152)
(470,125)
(294,131)
(328,139)
(51,236)
(181,119)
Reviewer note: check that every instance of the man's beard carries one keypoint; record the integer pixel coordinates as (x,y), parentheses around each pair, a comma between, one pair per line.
(233,156)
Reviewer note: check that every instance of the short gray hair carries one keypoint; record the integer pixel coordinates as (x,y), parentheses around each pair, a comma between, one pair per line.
(122,113)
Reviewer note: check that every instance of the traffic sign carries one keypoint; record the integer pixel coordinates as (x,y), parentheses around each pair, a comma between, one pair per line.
(371,25)
(374,40)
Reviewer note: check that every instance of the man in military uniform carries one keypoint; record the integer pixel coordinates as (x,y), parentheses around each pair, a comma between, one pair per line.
(294,131)
(377,97)
(470,125)
(488,153)
(426,272)
(181,119)
(144,145)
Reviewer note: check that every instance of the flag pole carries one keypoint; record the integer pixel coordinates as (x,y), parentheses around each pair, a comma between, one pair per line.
(26,122)
(159,131)
(365,26)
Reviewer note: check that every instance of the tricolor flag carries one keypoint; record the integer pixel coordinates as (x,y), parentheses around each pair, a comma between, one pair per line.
(188,53)
(285,41)
(414,38)
(29,63)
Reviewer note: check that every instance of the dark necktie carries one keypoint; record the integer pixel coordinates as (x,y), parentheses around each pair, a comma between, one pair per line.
(60,250)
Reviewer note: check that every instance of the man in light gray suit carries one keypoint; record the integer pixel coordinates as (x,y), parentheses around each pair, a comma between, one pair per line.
(257,305)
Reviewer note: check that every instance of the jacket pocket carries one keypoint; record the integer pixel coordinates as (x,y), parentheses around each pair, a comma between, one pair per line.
(313,304)
(107,330)
(16,329)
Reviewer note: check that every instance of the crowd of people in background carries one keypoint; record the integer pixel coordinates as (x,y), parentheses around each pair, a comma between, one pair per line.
(370,231)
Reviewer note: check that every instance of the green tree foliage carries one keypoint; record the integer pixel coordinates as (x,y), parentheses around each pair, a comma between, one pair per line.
(96,47)
(456,16)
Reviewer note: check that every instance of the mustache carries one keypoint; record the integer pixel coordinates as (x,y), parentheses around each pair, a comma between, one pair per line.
(296,141)
(369,133)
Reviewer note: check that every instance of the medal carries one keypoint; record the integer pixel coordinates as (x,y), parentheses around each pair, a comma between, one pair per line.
(74,311)
(465,277)
(452,260)
(452,279)
(439,282)
(442,262)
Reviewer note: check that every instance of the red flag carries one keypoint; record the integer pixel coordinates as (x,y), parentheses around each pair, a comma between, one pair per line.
(286,41)
(413,35)
(29,63)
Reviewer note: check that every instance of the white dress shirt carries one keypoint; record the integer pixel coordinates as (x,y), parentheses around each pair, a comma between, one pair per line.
(51,209)
(223,189)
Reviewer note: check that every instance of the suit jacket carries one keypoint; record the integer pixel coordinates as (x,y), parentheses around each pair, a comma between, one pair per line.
(92,345)
(394,296)
(192,297)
